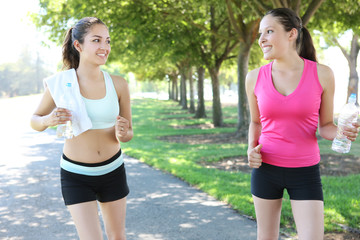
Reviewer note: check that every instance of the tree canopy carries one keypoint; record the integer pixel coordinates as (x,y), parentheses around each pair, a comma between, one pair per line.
(157,39)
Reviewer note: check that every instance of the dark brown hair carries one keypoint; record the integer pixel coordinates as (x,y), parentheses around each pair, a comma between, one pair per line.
(290,20)
(70,55)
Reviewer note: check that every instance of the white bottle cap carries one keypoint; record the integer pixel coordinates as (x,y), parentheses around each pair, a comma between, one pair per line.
(352,98)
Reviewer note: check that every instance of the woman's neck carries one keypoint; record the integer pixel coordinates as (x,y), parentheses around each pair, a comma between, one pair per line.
(89,73)
(288,63)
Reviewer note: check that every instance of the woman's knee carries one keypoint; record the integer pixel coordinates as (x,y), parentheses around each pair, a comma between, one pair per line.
(268,237)
(116,235)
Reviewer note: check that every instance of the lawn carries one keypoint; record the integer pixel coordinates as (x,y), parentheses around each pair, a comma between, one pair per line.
(153,119)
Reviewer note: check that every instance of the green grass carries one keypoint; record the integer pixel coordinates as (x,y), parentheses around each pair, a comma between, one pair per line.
(153,119)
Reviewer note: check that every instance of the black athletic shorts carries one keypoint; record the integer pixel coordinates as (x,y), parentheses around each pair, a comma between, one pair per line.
(304,183)
(79,188)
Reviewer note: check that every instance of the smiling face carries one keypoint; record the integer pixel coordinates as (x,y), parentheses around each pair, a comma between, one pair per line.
(96,46)
(274,41)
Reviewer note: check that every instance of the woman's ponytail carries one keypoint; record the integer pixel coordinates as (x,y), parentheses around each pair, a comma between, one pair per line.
(70,55)
(306,46)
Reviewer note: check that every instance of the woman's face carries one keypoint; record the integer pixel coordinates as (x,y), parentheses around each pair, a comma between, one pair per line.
(96,47)
(274,41)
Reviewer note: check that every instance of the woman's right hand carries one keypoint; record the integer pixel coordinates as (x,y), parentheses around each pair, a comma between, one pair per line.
(254,156)
(56,117)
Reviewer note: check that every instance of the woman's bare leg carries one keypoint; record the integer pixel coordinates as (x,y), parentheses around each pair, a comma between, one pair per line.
(309,219)
(114,214)
(86,218)
(268,214)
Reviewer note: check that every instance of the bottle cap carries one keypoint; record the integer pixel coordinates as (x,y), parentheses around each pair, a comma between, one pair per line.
(69,85)
(352,98)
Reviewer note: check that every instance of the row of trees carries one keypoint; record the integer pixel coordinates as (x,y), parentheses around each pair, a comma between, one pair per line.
(22,77)
(164,39)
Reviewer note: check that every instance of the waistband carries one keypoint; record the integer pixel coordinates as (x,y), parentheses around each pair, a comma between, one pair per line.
(92,169)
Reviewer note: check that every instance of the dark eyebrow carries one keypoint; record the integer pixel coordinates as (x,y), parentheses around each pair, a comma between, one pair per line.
(99,36)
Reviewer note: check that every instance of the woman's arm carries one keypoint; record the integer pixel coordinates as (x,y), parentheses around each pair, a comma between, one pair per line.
(47,114)
(327,127)
(254,155)
(123,127)
(40,118)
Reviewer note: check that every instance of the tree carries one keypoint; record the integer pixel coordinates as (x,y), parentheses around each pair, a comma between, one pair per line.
(343,18)
(22,77)
(246,29)
(200,111)
(219,43)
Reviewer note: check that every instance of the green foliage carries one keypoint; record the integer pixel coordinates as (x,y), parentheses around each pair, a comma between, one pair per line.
(143,32)
(147,34)
(338,17)
(334,19)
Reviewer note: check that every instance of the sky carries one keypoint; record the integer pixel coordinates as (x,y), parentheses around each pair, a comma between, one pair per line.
(19,32)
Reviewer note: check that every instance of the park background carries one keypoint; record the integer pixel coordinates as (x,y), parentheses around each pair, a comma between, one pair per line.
(153,41)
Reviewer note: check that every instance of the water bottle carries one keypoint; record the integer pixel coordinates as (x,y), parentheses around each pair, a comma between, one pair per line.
(348,115)
(66,101)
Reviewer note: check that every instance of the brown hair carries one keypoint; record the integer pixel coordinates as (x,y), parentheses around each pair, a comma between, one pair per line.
(70,55)
(290,20)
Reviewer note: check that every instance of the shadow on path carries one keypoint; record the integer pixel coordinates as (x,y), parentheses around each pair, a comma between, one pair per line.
(160,206)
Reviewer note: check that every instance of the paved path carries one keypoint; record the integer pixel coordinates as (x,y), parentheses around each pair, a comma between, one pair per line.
(160,206)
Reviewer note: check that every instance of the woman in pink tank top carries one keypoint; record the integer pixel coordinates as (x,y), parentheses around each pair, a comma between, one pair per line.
(290,99)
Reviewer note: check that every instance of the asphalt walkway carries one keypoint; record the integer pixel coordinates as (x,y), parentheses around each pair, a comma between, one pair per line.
(160,206)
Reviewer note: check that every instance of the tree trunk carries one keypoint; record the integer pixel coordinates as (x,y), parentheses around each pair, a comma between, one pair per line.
(173,88)
(176,88)
(169,90)
(200,111)
(192,101)
(183,98)
(243,109)
(216,103)
(353,86)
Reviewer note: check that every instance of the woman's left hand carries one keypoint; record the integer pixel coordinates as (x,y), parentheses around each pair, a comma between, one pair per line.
(121,127)
(352,133)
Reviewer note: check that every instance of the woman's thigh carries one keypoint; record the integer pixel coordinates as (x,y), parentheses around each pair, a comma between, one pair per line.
(309,218)
(114,214)
(268,214)
(86,219)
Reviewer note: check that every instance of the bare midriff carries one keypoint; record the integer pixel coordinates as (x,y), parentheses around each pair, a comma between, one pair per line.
(92,146)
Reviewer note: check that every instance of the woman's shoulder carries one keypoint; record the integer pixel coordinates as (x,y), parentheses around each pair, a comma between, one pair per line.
(58,79)
(324,69)
(252,76)
(325,74)
(120,84)
(118,79)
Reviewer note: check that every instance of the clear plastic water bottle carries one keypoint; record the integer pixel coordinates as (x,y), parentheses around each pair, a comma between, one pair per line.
(348,115)
(66,101)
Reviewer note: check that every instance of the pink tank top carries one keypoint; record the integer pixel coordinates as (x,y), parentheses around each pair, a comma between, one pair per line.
(289,123)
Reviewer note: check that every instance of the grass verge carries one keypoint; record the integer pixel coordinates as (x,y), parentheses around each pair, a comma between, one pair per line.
(153,119)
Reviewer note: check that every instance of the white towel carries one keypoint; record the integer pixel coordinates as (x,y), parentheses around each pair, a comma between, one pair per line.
(57,85)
